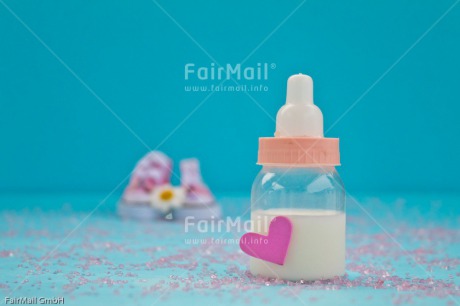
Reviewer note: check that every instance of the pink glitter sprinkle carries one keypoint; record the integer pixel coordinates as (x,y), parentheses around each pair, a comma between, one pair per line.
(126,259)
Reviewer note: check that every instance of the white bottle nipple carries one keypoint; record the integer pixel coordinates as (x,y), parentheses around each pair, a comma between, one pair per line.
(299,117)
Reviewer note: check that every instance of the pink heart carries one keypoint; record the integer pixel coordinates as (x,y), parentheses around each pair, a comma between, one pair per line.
(273,247)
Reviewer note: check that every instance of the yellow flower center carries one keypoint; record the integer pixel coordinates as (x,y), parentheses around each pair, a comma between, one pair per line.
(166,195)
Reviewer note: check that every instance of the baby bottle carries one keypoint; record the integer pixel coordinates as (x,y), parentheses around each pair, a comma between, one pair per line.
(298,198)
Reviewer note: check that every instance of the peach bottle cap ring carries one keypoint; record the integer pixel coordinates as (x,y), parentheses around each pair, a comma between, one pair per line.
(299,139)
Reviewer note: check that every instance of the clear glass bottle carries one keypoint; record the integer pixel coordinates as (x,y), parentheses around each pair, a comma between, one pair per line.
(313,198)
(298,183)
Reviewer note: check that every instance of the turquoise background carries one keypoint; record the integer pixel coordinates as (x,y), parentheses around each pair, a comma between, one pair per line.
(58,137)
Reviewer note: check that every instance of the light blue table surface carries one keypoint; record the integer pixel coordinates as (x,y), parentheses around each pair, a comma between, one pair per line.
(401,249)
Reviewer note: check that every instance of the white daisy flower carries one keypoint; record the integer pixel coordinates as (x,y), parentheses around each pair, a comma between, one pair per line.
(166,197)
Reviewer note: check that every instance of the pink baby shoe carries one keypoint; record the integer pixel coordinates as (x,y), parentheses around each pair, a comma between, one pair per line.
(199,203)
(197,193)
(153,170)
